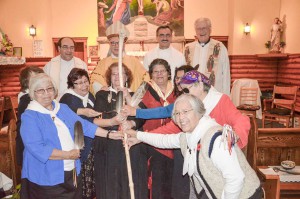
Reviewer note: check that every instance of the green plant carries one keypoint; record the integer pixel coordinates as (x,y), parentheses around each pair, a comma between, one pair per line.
(5,44)
(268,44)
(282,44)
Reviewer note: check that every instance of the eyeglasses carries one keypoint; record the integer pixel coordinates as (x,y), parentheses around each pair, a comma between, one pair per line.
(182,113)
(187,89)
(163,36)
(81,83)
(114,43)
(201,28)
(43,91)
(159,72)
(117,74)
(71,48)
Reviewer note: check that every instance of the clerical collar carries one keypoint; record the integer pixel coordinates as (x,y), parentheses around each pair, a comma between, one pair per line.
(164,48)
(67,62)
(203,44)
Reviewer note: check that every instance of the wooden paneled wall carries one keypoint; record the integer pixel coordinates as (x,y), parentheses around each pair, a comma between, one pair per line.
(9,74)
(289,74)
(268,69)
(250,66)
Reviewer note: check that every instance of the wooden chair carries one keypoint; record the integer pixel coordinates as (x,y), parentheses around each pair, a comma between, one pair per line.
(8,152)
(248,101)
(282,106)
(272,146)
(10,105)
(1,111)
(250,149)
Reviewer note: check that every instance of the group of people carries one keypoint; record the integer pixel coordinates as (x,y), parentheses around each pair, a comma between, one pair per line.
(180,119)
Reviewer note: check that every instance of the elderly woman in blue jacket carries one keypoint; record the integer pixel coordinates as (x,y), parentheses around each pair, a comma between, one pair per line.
(51,164)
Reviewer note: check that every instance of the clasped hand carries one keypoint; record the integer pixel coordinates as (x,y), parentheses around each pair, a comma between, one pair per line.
(131,138)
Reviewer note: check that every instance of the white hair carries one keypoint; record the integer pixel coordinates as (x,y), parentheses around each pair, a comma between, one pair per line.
(38,79)
(197,104)
(202,19)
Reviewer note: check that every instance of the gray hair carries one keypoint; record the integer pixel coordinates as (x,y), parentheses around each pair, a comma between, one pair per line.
(202,19)
(197,104)
(206,87)
(37,80)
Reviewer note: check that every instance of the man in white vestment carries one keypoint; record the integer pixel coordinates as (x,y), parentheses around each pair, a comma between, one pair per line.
(164,50)
(211,55)
(60,66)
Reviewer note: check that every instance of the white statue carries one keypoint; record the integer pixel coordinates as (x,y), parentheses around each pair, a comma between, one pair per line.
(276,32)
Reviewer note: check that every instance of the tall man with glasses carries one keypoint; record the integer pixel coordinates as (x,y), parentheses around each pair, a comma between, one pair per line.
(164,50)
(60,66)
(211,55)
(137,69)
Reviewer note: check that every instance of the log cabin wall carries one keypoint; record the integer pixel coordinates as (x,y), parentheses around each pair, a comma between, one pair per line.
(9,74)
(267,70)
(289,74)
(252,67)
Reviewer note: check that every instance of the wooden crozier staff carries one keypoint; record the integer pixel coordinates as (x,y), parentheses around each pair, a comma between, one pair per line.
(122,36)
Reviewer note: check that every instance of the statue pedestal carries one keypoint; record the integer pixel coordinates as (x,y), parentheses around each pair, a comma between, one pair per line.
(273,55)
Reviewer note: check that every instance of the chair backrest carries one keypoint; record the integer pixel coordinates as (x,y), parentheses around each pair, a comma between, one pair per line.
(250,148)
(274,145)
(10,107)
(284,97)
(8,151)
(248,96)
(1,111)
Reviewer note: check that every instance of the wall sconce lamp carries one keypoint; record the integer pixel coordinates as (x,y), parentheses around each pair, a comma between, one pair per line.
(32,31)
(247,29)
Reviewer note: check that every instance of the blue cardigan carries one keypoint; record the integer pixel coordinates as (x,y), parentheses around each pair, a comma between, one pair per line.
(40,137)
(155,113)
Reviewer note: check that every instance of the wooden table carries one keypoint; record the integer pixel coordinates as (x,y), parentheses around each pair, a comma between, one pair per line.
(273,186)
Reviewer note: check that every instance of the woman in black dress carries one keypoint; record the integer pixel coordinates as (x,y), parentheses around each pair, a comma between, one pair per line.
(81,101)
(23,101)
(110,162)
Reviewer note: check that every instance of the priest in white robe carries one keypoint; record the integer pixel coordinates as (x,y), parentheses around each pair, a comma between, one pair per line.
(164,50)
(60,66)
(211,55)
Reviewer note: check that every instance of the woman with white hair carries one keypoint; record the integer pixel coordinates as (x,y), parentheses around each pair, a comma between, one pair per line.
(216,169)
(51,165)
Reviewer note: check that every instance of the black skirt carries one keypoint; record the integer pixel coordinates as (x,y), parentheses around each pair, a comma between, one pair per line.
(66,190)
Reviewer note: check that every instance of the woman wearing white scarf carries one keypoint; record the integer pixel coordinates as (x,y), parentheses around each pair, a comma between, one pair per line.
(81,101)
(219,173)
(47,131)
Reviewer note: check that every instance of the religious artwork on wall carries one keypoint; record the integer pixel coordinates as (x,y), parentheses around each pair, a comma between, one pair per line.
(141,17)
(93,51)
